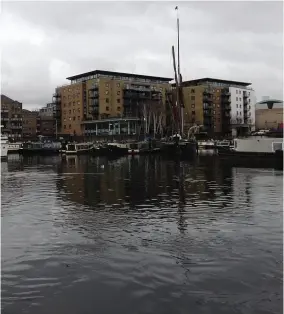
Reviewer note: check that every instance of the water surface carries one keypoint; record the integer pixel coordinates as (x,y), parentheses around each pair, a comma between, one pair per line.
(140,235)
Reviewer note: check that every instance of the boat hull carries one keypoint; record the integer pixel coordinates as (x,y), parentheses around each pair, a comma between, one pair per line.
(181,150)
(263,159)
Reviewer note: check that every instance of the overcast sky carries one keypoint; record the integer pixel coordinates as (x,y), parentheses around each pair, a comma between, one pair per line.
(45,42)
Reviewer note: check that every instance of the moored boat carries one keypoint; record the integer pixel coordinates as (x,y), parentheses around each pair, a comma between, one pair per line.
(256,148)
(14,148)
(40,148)
(79,148)
(4,147)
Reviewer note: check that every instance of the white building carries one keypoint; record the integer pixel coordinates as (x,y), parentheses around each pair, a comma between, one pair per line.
(242,108)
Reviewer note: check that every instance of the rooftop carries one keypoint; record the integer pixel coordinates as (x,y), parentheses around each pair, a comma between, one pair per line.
(213,80)
(137,76)
(6,100)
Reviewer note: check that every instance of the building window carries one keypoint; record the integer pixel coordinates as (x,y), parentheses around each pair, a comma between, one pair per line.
(218,106)
(192,91)
(237,105)
(107,108)
(193,112)
(236,98)
(69,104)
(218,90)
(118,101)
(107,100)
(69,118)
(118,92)
(118,108)
(218,98)
(240,113)
(106,92)
(69,111)
(73,110)
(64,126)
(64,119)
(240,106)
(78,103)
(78,117)
(78,109)
(237,113)
(214,112)
(74,118)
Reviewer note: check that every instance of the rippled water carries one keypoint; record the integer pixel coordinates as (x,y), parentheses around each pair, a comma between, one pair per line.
(140,235)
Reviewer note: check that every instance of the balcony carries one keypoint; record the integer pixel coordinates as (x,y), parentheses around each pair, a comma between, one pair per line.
(134,95)
(4,118)
(245,95)
(16,119)
(93,95)
(225,92)
(16,127)
(245,101)
(137,88)
(207,99)
(4,110)
(207,113)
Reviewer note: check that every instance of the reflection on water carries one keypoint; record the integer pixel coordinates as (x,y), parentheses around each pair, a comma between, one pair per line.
(150,235)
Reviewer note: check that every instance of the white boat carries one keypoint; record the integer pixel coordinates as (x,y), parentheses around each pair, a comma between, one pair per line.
(14,147)
(4,146)
(206,145)
(224,144)
(79,148)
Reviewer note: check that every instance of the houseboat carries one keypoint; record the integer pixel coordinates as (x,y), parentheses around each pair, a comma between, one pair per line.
(253,149)
(14,148)
(40,148)
(4,147)
(206,144)
(79,148)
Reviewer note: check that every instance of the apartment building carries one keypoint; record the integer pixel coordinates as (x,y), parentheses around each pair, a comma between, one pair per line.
(104,102)
(29,124)
(11,117)
(222,107)
(48,110)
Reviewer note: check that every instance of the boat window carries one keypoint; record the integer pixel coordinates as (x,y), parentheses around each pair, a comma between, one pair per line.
(276,146)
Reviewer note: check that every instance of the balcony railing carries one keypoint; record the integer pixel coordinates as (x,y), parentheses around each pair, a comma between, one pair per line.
(4,110)
(4,119)
(16,119)
(16,127)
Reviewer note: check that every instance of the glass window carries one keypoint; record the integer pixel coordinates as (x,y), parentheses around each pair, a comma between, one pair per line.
(118,93)
(107,108)
(118,101)
(106,92)
(107,100)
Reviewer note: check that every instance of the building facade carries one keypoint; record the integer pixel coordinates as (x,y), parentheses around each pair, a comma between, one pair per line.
(100,95)
(29,124)
(269,114)
(222,107)
(11,118)
(48,110)
(46,126)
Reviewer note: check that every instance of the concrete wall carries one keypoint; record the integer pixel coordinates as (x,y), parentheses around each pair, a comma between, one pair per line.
(268,118)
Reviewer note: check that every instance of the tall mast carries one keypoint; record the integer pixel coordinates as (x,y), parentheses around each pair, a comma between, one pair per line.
(179,88)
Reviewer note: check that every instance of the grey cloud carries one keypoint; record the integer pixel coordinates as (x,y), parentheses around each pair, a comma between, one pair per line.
(233,40)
